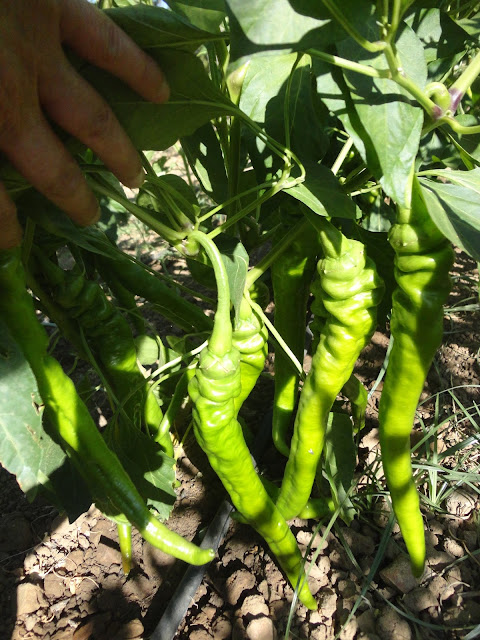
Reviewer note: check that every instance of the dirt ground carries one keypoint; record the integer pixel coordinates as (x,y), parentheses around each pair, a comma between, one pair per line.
(61,581)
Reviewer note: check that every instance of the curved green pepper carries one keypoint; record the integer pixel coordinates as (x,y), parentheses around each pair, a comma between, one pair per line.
(250,338)
(292,273)
(71,424)
(423,259)
(213,389)
(350,290)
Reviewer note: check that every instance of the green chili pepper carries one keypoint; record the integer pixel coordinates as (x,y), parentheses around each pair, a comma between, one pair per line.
(292,273)
(213,390)
(71,424)
(353,389)
(423,259)
(110,338)
(141,282)
(250,338)
(350,290)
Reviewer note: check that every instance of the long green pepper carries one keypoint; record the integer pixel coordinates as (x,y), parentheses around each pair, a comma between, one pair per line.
(350,290)
(423,259)
(213,390)
(71,424)
(292,273)
(250,338)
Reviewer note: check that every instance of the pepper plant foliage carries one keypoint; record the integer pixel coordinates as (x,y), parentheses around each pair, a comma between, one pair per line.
(297,118)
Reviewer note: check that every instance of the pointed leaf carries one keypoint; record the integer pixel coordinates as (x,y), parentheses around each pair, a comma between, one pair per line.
(340,461)
(322,193)
(26,450)
(454,209)
(390,122)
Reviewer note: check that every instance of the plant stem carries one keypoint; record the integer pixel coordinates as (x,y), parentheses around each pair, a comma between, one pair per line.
(349,65)
(398,75)
(342,155)
(103,188)
(266,262)
(373,47)
(220,341)
(465,80)
(278,338)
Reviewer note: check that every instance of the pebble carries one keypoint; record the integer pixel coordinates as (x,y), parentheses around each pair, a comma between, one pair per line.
(30,598)
(237,583)
(261,629)
(399,575)
(391,626)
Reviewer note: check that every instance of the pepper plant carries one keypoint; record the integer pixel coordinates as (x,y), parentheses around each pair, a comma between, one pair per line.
(332,153)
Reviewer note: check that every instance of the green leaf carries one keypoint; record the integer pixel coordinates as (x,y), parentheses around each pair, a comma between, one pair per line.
(454,208)
(322,193)
(387,132)
(267,26)
(56,222)
(151,470)
(235,259)
(204,14)
(155,27)
(205,158)
(340,461)
(194,100)
(26,450)
(148,349)
(263,99)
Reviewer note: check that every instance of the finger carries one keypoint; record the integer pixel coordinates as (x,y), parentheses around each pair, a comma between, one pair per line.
(42,159)
(72,103)
(98,39)
(10,229)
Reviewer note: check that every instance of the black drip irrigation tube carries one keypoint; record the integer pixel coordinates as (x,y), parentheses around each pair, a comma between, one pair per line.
(183,596)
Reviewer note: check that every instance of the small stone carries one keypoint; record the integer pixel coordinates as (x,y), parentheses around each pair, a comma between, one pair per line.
(439,560)
(420,599)
(366,621)
(453,548)
(304,539)
(261,629)
(53,586)
(347,588)
(199,634)
(327,603)
(460,504)
(238,583)
(254,606)
(83,542)
(131,630)
(471,539)
(222,628)
(95,625)
(74,560)
(440,589)
(108,555)
(359,544)
(349,630)
(30,621)
(399,575)
(30,598)
(391,626)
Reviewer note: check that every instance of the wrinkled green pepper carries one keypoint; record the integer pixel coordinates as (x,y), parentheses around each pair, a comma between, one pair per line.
(423,259)
(350,290)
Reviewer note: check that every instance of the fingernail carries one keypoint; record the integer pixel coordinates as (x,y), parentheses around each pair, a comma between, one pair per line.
(136,183)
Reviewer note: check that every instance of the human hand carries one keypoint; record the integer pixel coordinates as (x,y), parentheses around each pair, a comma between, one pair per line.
(37,83)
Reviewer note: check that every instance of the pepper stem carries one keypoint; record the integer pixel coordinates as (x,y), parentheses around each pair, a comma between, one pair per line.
(220,341)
